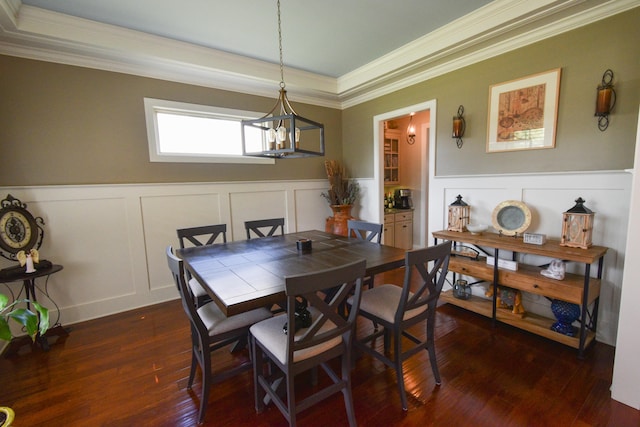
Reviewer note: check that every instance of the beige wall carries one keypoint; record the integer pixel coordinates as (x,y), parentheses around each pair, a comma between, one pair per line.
(583,54)
(62,124)
(70,125)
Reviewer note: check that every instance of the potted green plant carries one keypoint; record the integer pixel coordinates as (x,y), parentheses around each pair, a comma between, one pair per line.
(342,194)
(33,323)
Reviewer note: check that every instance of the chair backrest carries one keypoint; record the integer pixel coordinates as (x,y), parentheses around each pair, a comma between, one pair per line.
(328,323)
(259,227)
(432,264)
(364,230)
(176,265)
(197,235)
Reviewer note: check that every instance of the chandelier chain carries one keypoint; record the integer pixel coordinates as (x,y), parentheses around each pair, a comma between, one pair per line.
(282,85)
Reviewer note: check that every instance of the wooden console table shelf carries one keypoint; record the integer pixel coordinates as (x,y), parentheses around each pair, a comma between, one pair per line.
(583,290)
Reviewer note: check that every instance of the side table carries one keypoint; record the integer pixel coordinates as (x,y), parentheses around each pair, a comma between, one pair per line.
(29,285)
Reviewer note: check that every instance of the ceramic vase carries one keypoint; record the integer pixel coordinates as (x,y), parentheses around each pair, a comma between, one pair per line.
(337,224)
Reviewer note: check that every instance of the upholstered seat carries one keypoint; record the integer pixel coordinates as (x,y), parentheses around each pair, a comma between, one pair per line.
(272,337)
(384,300)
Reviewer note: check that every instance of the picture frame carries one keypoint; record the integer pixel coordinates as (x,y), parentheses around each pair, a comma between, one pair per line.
(523,113)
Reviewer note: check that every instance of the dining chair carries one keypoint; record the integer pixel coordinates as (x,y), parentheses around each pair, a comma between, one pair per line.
(200,236)
(261,226)
(369,231)
(364,230)
(329,336)
(210,331)
(398,308)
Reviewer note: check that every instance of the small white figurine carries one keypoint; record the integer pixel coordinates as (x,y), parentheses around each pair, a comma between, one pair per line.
(28,259)
(555,270)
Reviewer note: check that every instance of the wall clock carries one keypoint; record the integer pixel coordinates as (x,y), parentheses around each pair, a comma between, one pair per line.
(19,230)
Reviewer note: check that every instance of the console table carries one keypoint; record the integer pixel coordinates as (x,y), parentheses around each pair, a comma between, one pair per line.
(581,289)
(29,285)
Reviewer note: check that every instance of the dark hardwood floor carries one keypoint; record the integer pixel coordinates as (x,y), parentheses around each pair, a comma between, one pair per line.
(131,369)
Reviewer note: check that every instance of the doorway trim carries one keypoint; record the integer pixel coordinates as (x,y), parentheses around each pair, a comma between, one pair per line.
(427,168)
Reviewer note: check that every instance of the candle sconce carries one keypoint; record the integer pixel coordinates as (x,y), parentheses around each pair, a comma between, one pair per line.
(411,131)
(459,126)
(606,100)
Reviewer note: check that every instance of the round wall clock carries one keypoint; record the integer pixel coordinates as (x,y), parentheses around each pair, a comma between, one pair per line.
(19,230)
(511,218)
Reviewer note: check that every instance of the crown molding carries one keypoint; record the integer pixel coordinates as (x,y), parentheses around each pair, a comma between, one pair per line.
(501,26)
(369,91)
(497,17)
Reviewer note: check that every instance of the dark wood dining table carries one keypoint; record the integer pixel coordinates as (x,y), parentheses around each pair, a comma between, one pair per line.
(246,274)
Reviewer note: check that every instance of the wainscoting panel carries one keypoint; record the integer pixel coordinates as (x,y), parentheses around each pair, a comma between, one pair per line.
(310,220)
(111,238)
(252,205)
(162,216)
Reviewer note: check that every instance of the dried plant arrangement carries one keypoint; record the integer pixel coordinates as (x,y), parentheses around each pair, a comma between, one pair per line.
(342,190)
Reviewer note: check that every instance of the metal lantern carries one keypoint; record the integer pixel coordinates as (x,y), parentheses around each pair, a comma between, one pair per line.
(577,226)
(462,289)
(458,215)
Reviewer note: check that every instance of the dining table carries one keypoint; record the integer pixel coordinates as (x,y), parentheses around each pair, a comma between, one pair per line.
(246,274)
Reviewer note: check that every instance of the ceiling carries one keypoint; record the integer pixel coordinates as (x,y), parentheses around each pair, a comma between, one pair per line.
(351,33)
(335,52)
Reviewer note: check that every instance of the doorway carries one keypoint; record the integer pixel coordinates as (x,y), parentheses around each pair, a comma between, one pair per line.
(417,179)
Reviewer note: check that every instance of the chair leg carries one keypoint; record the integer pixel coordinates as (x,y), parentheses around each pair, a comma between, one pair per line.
(258,367)
(206,383)
(399,371)
(431,348)
(291,399)
(346,390)
(192,372)
(434,363)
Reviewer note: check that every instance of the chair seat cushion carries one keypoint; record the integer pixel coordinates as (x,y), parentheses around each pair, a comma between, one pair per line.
(196,288)
(382,302)
(217,323)
(269,333)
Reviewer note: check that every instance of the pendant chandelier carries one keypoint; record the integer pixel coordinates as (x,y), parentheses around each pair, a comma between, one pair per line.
(282,133)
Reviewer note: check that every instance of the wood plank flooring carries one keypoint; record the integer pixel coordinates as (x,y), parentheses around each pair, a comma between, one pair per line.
(131,369)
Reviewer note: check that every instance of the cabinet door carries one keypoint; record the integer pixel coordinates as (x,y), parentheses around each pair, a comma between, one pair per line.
(388,234)
(403,234)
(391,172)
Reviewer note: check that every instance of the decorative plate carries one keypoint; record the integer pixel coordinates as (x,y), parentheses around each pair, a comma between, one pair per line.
(511,218)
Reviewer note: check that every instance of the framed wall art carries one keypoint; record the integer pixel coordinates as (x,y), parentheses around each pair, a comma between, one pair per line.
(523,113)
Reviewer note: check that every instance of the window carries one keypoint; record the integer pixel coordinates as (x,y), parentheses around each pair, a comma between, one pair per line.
(181,132)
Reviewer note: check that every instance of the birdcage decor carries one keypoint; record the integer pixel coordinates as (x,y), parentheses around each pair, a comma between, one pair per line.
(458,215)
(577,226)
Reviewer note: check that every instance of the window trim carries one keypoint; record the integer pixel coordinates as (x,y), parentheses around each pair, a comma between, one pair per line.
(153,105)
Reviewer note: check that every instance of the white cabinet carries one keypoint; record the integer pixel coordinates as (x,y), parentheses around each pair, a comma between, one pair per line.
(398,229)
(388,229)
(403,230)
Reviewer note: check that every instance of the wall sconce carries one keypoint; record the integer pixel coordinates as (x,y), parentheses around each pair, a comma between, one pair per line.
(605,101)
(411,131)
(459,125)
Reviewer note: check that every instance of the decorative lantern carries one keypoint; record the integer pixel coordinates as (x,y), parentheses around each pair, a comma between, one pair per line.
(462,289)
(577,226)
(458,215)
